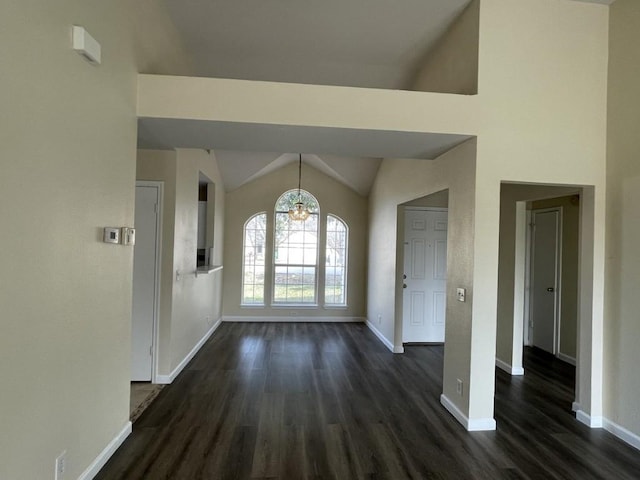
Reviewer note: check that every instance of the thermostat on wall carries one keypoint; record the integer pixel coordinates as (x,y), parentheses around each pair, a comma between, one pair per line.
(111,235)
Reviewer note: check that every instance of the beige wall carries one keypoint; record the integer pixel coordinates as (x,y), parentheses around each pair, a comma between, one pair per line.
(542,94)
(67,143)
(261,196)
(622,328)
(541,119)
(189,305)
(438,200)
(452,66)
(197,301)
(271,103)
(399,181)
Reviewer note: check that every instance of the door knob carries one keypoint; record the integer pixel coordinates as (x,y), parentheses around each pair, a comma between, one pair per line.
(404,276)
(550,289)
(404,285)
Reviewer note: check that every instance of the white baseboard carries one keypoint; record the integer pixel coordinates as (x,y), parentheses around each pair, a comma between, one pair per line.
(622,433)
(588,420)
(100,461)
(383,339)
(567,358)
(471,425)
(166,379)
(481,425)
(516,371)
(453,410)
(263,319)
(619,431)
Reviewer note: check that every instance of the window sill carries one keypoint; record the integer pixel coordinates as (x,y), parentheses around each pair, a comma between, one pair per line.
(286,306)
(295,305)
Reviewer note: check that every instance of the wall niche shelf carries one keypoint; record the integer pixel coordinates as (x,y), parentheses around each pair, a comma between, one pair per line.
(207,269)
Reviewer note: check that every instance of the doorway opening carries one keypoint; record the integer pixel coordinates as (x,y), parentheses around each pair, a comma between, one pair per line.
(545,284)
(422,259)
(421,276)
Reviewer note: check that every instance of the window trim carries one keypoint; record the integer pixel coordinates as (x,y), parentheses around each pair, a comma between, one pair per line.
(320,286)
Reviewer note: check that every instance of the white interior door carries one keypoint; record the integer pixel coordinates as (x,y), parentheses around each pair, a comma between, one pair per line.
(145,271)
(425,272)
(545,261)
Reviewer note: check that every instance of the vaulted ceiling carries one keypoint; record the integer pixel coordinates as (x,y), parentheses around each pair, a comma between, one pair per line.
(356,173)
(363,43)
(360,43)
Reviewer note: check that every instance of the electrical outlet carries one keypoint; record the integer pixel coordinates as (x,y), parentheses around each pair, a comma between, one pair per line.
(379,319)
(208,319)
(459,386)
(293,313)
(61,466)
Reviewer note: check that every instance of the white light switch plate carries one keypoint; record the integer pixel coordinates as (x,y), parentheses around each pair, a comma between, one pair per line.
(128,236)
(462,293)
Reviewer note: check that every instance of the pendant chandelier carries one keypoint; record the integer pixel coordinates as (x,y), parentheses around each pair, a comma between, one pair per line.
(299,212)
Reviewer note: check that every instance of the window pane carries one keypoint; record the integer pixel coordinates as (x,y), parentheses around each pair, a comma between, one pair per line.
(290,198)
(280,284)
(335,292)
(295,251)
(249,275)
(294,284)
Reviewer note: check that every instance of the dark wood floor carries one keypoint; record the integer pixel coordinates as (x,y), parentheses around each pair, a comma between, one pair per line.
(328,401)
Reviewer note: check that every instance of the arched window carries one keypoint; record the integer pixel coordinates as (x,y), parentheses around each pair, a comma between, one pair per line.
(255,234)
(335,281)
(295,256)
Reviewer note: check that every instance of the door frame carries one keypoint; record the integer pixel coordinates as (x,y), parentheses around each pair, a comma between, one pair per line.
(531,213)
(155,340)
(588,404)
(400,262)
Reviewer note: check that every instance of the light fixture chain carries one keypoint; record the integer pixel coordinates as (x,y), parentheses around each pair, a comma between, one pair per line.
(299,212)
(299,176)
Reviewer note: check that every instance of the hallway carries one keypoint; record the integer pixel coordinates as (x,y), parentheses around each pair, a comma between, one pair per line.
(324,400)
